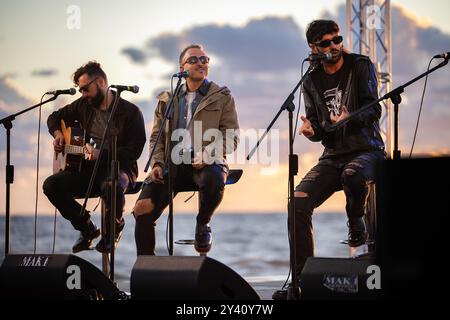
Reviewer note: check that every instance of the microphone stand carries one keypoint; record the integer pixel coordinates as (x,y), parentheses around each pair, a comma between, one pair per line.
(112,132)
(395,96)
(288,104)
(168,116)
(7,123)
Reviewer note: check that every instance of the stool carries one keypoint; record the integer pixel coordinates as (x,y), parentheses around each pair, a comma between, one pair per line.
(370,218)
(232,178)
(105,256)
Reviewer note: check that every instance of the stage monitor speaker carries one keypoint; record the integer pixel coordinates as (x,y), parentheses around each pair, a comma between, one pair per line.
(192,278)
(413,223)
(336,279)
(58,276)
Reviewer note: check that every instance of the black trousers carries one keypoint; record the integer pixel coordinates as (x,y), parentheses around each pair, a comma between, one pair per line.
(210,182)
(61,189)
(350,173)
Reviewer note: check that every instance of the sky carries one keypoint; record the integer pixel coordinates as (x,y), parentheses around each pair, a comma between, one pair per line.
(256,48)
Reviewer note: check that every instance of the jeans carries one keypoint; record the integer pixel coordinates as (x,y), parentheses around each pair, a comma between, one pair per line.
(61,189)
(210,181)
(351,173)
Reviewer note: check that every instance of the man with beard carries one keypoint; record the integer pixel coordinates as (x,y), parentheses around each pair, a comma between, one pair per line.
(92,112)
(208,107)
(332,91)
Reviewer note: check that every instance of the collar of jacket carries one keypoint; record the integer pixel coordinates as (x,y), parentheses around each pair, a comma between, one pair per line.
(203,89)
(215,92)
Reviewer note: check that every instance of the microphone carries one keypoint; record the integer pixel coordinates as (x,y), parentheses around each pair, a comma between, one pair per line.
(182,74)
(319,56)
(134,89)
(70,91)
(444,55)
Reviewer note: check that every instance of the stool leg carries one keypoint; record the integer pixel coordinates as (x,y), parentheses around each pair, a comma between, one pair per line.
(371,218)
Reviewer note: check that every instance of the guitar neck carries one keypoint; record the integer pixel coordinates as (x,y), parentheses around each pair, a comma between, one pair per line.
(71,149)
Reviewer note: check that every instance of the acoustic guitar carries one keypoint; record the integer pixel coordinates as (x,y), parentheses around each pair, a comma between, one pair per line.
(74,151)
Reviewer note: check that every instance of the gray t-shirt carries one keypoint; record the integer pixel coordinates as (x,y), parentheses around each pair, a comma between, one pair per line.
(98,126)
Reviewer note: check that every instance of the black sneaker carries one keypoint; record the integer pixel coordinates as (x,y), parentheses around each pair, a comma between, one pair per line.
(85,240)
(203,238)
(357,234)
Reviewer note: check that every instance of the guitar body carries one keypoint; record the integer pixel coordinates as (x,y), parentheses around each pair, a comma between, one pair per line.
(71,158)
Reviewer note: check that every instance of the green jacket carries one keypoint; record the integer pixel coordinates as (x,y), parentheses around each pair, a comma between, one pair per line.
(215,111)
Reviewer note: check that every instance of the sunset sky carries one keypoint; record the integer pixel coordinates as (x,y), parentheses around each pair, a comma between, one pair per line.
(256,48)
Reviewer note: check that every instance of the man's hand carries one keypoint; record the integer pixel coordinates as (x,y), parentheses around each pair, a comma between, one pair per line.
(306,129)
(91,152)
(58,142)
(157,174)
(198,163)
(344,115)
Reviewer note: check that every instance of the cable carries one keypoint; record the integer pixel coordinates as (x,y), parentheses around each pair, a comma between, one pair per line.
(420,109)
(54,233)
(37,175)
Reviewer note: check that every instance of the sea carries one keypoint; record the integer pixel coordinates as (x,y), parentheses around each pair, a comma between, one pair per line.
(253,245)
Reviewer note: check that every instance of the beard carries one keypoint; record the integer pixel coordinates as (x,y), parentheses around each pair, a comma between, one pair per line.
(337,55)
(97,99)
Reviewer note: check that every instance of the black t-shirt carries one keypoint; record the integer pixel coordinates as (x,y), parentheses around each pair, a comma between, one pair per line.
(332,87)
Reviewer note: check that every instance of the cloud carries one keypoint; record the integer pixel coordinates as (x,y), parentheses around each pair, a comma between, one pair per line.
(260,63)
(44,73)
(10,98)
(262,45)
(136,55)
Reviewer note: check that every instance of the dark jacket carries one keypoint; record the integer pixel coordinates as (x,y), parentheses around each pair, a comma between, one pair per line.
(359,134)
(131,138)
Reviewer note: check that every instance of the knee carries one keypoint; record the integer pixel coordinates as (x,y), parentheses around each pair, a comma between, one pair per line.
(143,207)
(352,179)
(50,185)
(302,203)
(213,184)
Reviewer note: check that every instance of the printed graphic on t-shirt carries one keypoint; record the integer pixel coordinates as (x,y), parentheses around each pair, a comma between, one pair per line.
(333,99)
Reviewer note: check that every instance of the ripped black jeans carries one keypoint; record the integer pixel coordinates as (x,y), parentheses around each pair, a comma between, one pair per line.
(351,173)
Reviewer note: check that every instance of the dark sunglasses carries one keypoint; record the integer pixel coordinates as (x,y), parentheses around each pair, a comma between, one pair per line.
(85,88)
(327,43)
(195,59)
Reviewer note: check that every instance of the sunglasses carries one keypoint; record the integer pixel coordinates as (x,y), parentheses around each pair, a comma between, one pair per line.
(327,43)
(195,59)
(85,88)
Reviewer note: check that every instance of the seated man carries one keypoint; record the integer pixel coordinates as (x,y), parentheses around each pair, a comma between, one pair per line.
(332,91)
(92,111)
(200,104)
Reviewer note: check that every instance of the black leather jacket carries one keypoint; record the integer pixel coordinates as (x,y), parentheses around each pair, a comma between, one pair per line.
(130,122)
(359,134)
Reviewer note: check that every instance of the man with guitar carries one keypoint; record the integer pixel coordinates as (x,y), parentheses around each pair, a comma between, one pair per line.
(91,112)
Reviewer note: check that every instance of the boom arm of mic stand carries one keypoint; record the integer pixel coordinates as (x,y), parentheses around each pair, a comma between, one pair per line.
(395,92)
(287,105)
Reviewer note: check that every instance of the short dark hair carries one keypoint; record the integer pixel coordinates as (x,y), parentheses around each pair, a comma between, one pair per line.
(92,68)
(318,28)
(191,46)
